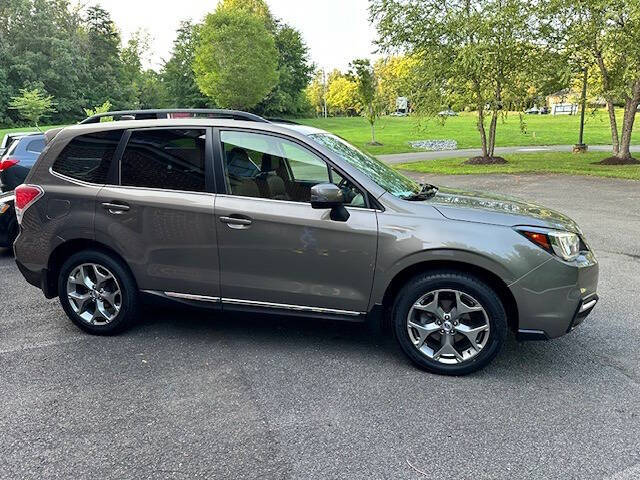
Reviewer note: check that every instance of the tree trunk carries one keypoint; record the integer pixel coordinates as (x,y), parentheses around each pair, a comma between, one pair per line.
(606,84)
(373,133)
(630,108)
(614,126)
(483,133)
(492,133)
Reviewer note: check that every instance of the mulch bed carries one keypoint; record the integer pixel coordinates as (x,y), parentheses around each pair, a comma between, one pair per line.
(485,161)
(618,161)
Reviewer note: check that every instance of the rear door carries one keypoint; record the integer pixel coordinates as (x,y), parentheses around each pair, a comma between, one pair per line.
(275,250)
(158,211)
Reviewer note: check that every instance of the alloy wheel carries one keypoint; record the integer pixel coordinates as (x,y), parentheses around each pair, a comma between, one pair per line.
(94,293)
(448,326)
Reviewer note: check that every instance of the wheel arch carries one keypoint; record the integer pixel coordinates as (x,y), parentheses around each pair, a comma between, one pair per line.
(492,279)
(63,251)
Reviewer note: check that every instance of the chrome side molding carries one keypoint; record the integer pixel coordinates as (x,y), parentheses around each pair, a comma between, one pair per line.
(284,306)
(188,296)
(255,303)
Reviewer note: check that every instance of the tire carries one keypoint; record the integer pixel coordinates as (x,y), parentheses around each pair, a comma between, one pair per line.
(425,346)
(107,320)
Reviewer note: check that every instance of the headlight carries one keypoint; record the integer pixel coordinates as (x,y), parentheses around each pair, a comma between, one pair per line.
(565,245)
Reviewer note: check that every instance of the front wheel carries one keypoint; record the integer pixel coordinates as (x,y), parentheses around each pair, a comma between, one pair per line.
(449,323)
(97,292)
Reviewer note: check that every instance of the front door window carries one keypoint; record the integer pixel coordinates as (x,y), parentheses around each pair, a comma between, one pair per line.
(265,166)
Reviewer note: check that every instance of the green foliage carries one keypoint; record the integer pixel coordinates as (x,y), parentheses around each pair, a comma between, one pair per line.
(368,91)
(236,59)
(258,8)
(398,76)
(294,69)
(294,74)
(106,78)
(75,53)
(70,52)
(315,93)
(104,108)
(603,35)
(342,94)
(476,52)
(178,76)
(33,105)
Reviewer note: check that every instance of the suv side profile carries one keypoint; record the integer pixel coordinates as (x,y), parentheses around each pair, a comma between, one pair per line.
(237,213)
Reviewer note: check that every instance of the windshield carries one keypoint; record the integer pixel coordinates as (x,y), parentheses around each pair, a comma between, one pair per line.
(388,178)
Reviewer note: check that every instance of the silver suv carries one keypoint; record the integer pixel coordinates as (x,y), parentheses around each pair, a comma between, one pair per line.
(237,213)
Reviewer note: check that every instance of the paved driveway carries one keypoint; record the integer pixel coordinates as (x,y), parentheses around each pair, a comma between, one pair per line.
(198,395)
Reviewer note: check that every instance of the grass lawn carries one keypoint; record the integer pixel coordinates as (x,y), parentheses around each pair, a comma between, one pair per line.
(549,162)
(395,132)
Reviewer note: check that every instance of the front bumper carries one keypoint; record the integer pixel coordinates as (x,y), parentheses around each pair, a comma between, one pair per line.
(584,309)
(556,297)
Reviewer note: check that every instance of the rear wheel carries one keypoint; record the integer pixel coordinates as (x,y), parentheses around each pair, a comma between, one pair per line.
(97,292)
(449,323)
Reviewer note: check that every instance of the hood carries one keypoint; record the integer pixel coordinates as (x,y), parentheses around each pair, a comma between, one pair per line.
(498,209)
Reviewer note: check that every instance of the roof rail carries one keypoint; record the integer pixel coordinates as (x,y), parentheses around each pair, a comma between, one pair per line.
(166,113)
(282,120)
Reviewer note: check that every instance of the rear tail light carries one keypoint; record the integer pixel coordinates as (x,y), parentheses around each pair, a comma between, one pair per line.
(26,195)
(8,163)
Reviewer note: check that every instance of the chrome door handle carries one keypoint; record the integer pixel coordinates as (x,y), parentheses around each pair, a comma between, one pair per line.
(116,208)
(244,222)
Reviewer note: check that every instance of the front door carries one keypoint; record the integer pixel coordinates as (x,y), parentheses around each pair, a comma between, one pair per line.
(277,251)
(160,216)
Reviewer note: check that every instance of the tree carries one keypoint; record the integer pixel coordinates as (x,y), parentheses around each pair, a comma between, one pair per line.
(104,108)
(398,77)
(145,85)
(258,8)
(606,33)
(33,105)
(315,92)
(236,59)
(178,76)
(342,95)
(39,49)
(294,74)
(104,76)
(294,67)
(476,50)
(368,93)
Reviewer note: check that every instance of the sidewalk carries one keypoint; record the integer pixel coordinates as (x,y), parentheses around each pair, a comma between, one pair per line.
(411,157)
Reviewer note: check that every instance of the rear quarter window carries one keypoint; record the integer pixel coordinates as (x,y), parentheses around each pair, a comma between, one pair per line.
(88,157)
(35,146)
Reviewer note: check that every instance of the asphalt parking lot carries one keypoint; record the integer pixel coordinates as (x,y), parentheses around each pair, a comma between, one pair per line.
(200,395)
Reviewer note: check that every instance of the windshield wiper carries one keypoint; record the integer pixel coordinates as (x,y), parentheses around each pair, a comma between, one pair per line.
(427,191)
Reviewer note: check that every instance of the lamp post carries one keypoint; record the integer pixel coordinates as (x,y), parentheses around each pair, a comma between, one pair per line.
(581,147)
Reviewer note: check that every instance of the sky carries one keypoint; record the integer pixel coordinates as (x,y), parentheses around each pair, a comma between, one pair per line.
(336,31)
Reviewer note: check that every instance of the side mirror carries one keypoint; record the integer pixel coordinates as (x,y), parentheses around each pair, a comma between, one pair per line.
(329,196)
(326,195)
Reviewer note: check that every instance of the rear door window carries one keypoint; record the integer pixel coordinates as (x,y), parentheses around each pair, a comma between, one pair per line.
(170,159)
(88,157)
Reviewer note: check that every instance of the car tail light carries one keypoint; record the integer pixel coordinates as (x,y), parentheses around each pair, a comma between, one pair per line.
(8,163)
(26,195)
